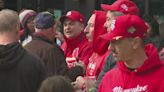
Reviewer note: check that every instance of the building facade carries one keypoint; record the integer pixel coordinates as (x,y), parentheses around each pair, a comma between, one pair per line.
(147,7)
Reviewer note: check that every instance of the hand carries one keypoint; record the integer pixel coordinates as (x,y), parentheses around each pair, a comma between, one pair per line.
(60,36)
(80,63)
(78,83)
(90,82)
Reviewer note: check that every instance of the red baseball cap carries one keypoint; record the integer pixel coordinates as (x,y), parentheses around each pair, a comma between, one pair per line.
(74,16)
(120,28)
(124,6)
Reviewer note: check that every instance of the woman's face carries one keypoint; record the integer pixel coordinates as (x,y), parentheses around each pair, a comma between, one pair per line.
(30,25)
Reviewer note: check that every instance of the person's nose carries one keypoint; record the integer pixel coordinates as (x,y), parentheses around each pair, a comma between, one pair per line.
(105,25)
(86,29)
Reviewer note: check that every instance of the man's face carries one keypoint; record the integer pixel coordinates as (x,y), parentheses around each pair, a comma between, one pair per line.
(89,29)
(109,17)
(122,49)
(72,28)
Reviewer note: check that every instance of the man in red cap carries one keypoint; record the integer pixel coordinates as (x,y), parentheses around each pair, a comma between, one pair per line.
(137,63)
(76,47)
(118,8)
(124,6)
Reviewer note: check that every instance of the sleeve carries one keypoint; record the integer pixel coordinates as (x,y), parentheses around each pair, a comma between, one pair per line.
(85,54)
(42,71)
(109,64)
(100,88)
(32,73)
(161,87)
(55,61)
(61,64)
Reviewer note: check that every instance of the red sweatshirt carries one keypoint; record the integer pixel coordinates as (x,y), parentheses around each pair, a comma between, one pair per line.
(77,49)
(100,46)
(147,78)
(96,63)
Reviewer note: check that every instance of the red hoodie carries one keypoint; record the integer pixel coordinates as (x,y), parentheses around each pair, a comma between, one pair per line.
(76,49)
(100,46)
(147,78)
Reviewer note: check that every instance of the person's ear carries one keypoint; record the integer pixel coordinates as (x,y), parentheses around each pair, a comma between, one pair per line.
(82,26)
(17,27)
(136,42)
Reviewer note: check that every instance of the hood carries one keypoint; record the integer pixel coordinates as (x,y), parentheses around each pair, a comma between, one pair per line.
(99,45)
(150,64)
(73,42)
(10,55)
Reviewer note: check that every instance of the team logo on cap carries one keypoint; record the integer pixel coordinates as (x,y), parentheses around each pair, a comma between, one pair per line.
(69,13)
(124,6)
(131,30)
(112,25)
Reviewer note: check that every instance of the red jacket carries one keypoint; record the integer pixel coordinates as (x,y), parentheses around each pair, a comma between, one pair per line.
(147,78)
(100,46)
(76,49)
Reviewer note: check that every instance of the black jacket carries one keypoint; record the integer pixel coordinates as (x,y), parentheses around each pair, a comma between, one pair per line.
(19,71)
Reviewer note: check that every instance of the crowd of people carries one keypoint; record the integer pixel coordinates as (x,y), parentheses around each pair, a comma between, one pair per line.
(117,51)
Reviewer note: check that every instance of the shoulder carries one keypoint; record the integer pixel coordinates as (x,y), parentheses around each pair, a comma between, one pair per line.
(111,74)
(85,42)
(107,81)
(40,45)
(85,45)
(31,67)
(31,61)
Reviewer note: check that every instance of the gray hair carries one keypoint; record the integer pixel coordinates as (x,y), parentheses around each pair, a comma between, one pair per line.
(9,20)
(117,13)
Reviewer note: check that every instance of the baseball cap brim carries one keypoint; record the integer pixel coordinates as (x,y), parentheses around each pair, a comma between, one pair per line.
(111,37)
(106,7)
(63,18)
